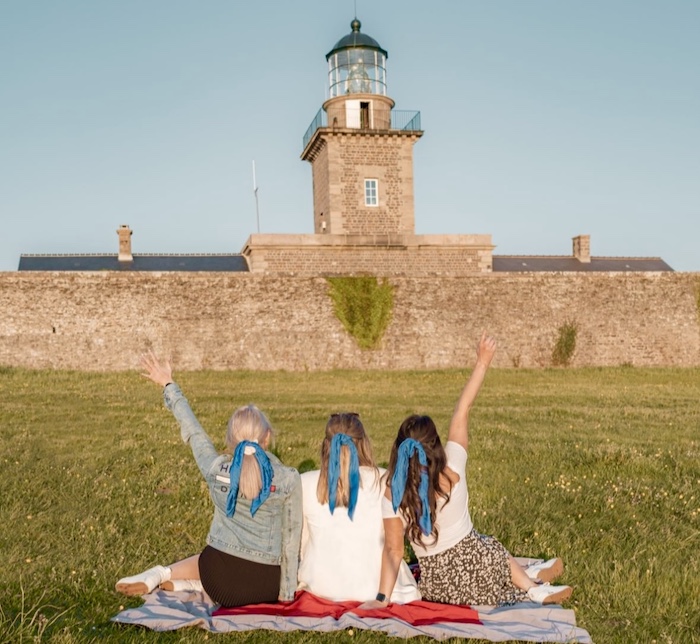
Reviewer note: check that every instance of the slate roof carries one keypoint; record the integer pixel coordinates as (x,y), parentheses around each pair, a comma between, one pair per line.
(237,263)
(187,263)
(545,263)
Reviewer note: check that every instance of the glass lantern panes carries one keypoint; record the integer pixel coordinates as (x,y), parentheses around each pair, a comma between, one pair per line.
(357,71)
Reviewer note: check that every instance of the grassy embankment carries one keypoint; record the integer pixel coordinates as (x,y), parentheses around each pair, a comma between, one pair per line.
(598,466)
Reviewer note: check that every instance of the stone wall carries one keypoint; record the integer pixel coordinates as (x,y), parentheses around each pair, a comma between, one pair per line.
(104,321)
(383,255)
(386,157)
(321,182)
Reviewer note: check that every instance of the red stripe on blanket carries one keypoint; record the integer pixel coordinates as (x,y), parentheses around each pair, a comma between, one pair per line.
(305,604)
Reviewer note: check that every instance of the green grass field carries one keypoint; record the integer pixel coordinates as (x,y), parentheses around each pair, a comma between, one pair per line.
(598,466)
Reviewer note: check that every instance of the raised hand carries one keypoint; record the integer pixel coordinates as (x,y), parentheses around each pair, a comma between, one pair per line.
(159,372)
(486,349)
(459,425)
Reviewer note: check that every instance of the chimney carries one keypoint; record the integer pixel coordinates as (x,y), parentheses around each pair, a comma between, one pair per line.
(125,233)
(582,248)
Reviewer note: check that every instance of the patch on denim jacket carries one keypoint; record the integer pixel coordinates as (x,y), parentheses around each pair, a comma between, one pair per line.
(221,478)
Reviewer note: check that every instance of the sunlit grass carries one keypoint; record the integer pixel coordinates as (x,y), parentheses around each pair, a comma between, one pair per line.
(599,466)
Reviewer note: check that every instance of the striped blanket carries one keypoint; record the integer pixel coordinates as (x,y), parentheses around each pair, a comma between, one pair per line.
(165,611)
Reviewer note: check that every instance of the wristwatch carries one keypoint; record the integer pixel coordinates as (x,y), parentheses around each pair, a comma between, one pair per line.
(381,597)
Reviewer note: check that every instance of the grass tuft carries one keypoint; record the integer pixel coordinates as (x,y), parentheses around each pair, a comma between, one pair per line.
(29,623)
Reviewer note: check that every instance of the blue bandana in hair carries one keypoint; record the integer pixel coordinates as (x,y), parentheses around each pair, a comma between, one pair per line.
(334,472)
(407,449)
(266,475)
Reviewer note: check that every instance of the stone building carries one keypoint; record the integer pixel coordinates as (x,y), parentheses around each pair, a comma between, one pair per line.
(361,154)
(269,307)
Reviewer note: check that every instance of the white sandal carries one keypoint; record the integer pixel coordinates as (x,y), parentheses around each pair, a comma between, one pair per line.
(546,594)
(545,571)
(144,582)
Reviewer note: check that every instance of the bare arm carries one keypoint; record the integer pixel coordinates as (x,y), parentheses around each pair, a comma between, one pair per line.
(392,556)
(459,425)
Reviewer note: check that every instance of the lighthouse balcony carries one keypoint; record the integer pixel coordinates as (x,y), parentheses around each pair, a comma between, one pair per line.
(361,118)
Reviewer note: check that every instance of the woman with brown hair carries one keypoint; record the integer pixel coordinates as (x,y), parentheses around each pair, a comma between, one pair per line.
(427,500)
(343,534)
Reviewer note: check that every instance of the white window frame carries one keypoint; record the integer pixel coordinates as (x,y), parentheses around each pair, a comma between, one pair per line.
(372,192)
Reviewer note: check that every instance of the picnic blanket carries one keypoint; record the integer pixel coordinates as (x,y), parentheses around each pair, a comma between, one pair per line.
(166,611)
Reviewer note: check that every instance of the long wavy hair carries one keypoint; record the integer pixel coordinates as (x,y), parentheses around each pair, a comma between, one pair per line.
(422,429)
(350,424)
(248,423)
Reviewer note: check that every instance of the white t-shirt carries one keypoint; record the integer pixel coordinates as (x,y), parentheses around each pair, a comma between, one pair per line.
(452,519)
(341,559)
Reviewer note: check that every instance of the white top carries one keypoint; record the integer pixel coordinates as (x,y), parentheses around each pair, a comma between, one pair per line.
(452,519)
(341,559)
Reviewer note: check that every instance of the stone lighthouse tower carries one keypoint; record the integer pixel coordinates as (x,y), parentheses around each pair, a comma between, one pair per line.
(360,148)
(361,154)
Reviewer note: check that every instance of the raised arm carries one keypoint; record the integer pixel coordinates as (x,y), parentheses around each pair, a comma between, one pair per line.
(459,425)
(191,431)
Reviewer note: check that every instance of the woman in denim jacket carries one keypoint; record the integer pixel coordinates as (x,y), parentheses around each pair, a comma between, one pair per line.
(253,543)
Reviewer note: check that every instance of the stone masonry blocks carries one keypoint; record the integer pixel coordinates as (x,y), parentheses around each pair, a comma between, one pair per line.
(104,321)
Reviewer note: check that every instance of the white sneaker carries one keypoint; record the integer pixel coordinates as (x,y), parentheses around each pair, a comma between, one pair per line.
(546,571)
(546,594)
(144,582)
(177,585)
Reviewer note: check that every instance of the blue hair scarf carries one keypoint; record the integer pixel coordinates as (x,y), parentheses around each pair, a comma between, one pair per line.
(266,474)
(337,442)
(407,449)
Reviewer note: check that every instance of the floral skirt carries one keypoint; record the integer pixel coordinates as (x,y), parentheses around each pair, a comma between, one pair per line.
(475,571)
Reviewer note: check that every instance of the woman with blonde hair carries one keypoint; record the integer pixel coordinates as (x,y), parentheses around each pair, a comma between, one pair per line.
(343,534)
(253,543)
(426,499)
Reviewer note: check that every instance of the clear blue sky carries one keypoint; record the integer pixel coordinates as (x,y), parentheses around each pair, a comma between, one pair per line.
(543,119)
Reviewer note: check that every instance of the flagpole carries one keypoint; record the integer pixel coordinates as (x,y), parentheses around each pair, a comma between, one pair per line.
(255,192)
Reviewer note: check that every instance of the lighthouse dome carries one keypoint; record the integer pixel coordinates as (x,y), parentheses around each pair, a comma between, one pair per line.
(356,65)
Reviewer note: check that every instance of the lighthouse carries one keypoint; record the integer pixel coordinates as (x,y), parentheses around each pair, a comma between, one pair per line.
(361,153)
(361,148)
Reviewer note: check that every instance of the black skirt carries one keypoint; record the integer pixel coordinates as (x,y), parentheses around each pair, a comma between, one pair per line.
(232,581)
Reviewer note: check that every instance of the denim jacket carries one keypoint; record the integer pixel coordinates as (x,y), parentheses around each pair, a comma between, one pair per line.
(273,535)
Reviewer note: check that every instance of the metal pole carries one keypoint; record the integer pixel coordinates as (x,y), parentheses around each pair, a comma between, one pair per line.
(255,192)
